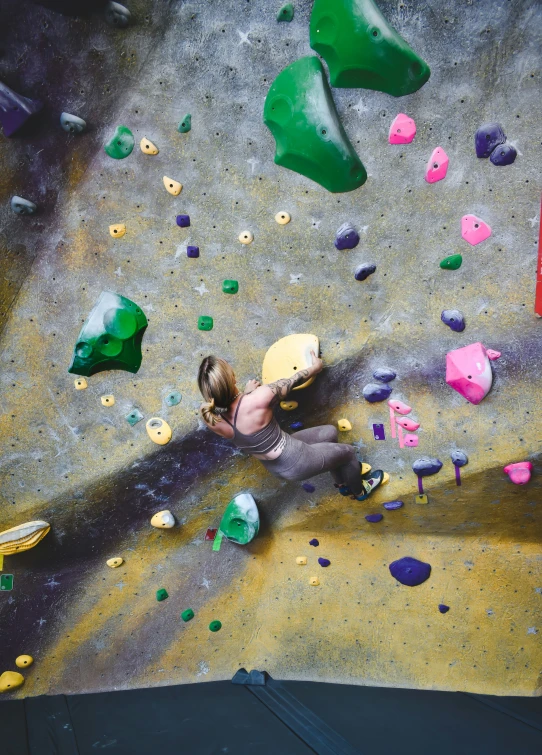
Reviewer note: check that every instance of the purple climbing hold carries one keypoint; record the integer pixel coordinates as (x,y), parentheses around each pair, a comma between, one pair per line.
(373,518)
(504,154)
(392,505)
(488,136)
(314,542)
(426,466)
(347,237)
(364,271)
(15,109)
(374,392)
(384,375)
(454,319)
(183,221)
(324,562)
(459,458)
(409,571)
(308,487)
(296,425)
(443,609)
(192,251)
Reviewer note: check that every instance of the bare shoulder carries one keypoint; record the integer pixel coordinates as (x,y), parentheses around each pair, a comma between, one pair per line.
(260,398)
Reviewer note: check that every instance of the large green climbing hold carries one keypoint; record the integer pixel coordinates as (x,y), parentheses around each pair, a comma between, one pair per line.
(452,263)
(121,143)
(111,337)
(300,113)
(241,520)
(363,50)
(286,13)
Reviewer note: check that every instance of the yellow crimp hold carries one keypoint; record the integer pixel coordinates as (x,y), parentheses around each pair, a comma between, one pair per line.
(23,661)
(80,384)
(344,425)
(118,230)
(421,498)
(114,562)
(159,431)
(174,187)
(148,147)
(246,237)
(288,406)
(385,479)
(108,400)
(282,218)
(301,560)
(10,680)
(365,468)
(314,581)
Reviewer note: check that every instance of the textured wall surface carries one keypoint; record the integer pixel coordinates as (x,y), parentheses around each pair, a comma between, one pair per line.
(97,480)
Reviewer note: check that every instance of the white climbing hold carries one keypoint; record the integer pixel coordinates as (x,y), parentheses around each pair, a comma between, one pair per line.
(163,520)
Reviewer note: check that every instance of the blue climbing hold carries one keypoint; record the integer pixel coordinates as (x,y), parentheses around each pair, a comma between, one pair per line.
(183,221)
(488,136)
(314,542)
(364,271)
(426,466)
(392,505)
(409,571)
(443,609)
(454,319)
(459,458)
(347,237)
(373,518)
(504,154)
(384,375)
(296,425)
(324,562)
(374,392)
(308,487)
(192,251)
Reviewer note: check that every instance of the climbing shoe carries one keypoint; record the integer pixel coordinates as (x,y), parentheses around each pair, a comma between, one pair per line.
(369,483)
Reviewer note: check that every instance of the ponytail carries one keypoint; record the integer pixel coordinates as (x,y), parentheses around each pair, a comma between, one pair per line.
(216,381)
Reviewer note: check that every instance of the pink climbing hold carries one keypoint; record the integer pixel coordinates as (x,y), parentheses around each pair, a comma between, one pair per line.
(437,167)
(408,423)
(411,440)
(399,407)
(474,230)
(402,130)
(468,371)
(492,354)
(520,473)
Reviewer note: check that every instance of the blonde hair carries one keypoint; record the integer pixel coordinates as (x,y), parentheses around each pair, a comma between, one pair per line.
(216,381)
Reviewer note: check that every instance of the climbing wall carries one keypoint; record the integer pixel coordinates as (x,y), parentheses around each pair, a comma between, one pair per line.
(74,461)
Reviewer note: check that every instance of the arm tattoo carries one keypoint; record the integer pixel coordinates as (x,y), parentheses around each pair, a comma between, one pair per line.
(281,388)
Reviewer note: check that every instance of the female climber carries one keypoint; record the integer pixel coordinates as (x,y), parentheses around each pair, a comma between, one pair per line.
(251,425)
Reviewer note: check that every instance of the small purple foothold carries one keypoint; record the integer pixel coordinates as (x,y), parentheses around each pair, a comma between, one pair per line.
(183,221)
(443,609)
(374,392)
(364,271)
(379,432)
(308,487)
(459,458)
(454,319)
(373,518)
(504,154)
(392,505)
(347,237)
(426,466)
(314,542)
(192,251)
(409,571)
(324,562)
(384,375)
(296,425)
(488,136)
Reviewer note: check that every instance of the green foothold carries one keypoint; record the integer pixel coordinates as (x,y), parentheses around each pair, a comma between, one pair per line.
(205,323)
(111,337)
(173,398)
(161,594)
(310,139)
(286,13)
(452,263)
(121,143)
(230,287)
(241,520)
(6,582)
(134,417)
(362,50)
(187,614)
(215,626)
(186,124)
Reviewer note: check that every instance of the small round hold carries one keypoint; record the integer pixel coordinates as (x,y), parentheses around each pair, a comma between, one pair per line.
(443,608)
(23,206)
(282,218)
(246,237)
(454,319)
(163,520)
(288,406)
(301,560)
(80,384)
(314,542)
(72,124)
(10,680)
(23,661)
(374,392)
(172,186)
(108,400)
(117,231)
(459,458)
(158,430)
(314,581)
(324,562)
(374,518)
(187,614)
(215,626)
(115,562)
(344,425)
(147,147)
(504,154)
(117,15)
(364,271)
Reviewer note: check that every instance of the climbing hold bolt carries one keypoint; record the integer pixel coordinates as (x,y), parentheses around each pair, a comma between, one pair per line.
(282,218)
(173,398)
(72,124)
(161,594)
(80,384)
(364,271)
(301,560)
(183,221)
(286,13)
(115,562)
(163,520)
(347,237)
(185,125)
(15,109)
(374,518)
(384,375)
(23,206)
(187,614)
(118,230)
(134,417)
(392,505)
(504,154)
(10,680)
(374,392)
(246,237)
(409,571)
(172,186)
(454,319)
(488,136)
(474,229)
(121,143)
(117,15)
(230,287)
(314,542)
(158,431)
(402,130)
(108,400)
(452,263)
(443,608)
(288,406)
(426,465)
(344,425)
(147,147)
(215,626)
(192,252)
(520,472)
(24,661)
(324,562)
(205,322)
(314,581)
(437,167)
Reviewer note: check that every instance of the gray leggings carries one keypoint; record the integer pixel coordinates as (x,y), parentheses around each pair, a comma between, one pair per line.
(313,451)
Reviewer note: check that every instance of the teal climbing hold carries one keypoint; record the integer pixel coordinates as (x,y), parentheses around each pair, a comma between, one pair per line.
(215,626)
(230,287)
(111,337)
(173,398)
(134,417)
(187,614)
(72,123)
(185,125)
(205,322)
(121,143)
(161,594)
(453,262)
(310,139)
(241,520)
(286,13)
(363,50)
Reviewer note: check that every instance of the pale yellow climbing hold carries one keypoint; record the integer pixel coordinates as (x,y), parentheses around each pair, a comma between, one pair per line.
(23,661)
(288,406)
(163,520)
(365,468)
(344,425)
(114,562)
(118,230)
(159,431)
(282,218)
(246,237)
(80,384)
(174,187)
(10,680)
(385,479)
(288,356)
(314,581)
(23,537)
(108,400)
(301,560)
(421,498)
(148,147)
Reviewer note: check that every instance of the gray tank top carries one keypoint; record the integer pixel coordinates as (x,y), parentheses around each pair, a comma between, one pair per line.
(262,442)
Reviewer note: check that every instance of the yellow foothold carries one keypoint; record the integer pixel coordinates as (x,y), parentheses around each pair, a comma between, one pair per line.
(118,230)
(314,581)
(163,520)
(108,400)
(246,237)
(421,498)
(148,147)
(301,560)
(365,468)
(344,425)
(10,680)
(174,187)
(385,479)
(23,661)
(159,431)
(114,562)
(80,384)
(288,406)
(282,218)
